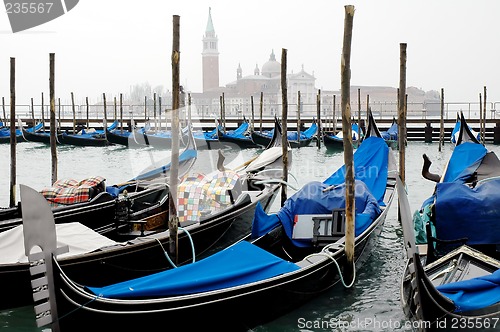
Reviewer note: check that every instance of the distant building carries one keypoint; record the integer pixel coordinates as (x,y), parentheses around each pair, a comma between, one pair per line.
(237,94)
(210,57)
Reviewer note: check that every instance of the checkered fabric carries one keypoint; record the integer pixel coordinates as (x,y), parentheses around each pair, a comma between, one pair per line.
(206,194)
(70,191)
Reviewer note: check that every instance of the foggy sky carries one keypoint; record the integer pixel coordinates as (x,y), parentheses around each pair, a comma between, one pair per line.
(108,46)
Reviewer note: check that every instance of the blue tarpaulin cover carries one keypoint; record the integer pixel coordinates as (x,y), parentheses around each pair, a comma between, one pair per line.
(238,132)
(185,156)
(370,164)
(473,213)
(237,265)
(312,200)
(474,293)
(464,161)
(292,135)
(391,133)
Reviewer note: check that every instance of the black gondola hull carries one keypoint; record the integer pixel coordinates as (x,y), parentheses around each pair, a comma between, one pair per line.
(136,259)
(237,309)
(83,141)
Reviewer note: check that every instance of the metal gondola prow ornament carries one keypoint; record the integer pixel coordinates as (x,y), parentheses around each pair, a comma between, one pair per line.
(40,233)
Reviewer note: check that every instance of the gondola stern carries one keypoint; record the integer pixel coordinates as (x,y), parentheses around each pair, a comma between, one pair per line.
(39,233)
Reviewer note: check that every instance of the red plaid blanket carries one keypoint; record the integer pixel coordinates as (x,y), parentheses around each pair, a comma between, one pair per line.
(70,191)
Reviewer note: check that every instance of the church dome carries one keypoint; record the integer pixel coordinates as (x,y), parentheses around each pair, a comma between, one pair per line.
(272,67)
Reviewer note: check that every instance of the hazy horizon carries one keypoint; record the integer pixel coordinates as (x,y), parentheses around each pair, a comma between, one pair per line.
(109,46)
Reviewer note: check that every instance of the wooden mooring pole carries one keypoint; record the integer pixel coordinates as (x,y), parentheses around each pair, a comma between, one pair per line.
(402,111)
(484,117)
(367,109)
(173,221)
(318,115)
(43,113)
(261,108)
(334,118)
(253,113)
(298,119)
(359,115)
(3,108)
(221,114)
(12,201)
(53,141)
(441,122)
(284,117)
(59,113)
(154,112)
(159,113)
(105,111)
(121,113)
(348,148)
(33,114)
(74,112)
(115,110)
(481,135)
(87,111)
(224,111)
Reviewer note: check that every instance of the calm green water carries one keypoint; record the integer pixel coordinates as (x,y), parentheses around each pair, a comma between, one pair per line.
(371,305)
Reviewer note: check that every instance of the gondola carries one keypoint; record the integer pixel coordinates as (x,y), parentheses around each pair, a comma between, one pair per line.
(216,221)
(263,138)
(145,190)
(43,136)
(451,279)
(248,283)
(469,134)
(240,137)
(161,139)
(391,134)
(83,139)
(5,133)
(207,139)
(125,137)
(40,136)
(336,141)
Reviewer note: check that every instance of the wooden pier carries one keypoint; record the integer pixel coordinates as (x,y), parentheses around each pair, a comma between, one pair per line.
(420,130)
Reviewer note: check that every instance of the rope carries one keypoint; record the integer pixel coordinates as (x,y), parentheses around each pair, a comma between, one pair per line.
(74,310)
(168,256)
(323,253)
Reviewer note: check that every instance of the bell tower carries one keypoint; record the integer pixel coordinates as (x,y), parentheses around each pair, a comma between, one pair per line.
(210,56)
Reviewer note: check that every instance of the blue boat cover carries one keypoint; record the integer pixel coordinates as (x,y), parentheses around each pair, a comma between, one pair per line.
(391,133)
(206,135)
(370,167)
(306,134)
(464,161)
(238,132)
(311,199)
(456,129)
(468,212)
(185,156)
(475,293)
(292,135)
(237,265)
